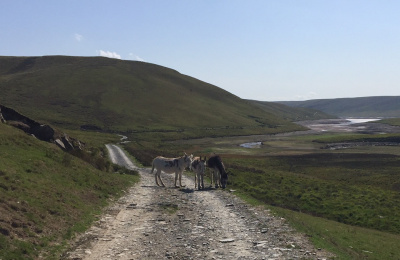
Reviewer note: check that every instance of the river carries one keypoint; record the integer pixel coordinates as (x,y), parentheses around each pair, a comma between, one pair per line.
(338,125)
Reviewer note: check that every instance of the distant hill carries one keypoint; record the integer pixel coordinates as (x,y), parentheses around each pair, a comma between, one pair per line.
(99,93)
(381,106)
(292,113)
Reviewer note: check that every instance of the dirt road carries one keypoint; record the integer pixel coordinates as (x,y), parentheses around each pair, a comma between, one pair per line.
(151,222)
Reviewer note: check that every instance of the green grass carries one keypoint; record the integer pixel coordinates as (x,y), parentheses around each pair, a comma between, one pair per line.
(339,138)
(94,139)
(351,198)
(345,241)
(390,121)
(290,113)
(47,195)
(348,188)
(346,201)
(381,106)
(127,96)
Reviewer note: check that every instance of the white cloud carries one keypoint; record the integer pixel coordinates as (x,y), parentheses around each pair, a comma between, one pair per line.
(78,37)
(110,54)
(135,57)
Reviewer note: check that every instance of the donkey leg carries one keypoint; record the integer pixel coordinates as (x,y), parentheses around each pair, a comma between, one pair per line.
(176,179)
(216,176)
(180,179)
(159,176)
(195,180)
(202,180)
(198,180)
(156,176)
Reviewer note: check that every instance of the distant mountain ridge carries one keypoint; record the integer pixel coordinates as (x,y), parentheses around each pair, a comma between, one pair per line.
(379,106)
(292,113)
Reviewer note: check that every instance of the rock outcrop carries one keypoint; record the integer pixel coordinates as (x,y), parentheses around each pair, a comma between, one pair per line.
(2,120)
(40,131)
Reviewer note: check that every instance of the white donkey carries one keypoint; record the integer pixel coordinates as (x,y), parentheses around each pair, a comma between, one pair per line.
(171,165)
(199,166)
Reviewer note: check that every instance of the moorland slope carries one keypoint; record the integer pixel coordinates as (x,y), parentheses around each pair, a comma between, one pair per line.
(126,96)
(292,113)
(380,106)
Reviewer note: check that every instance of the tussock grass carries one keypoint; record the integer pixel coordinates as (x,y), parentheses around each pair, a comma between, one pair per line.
(349,188)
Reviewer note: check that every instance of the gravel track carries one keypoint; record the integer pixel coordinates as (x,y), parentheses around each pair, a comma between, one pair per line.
(151,222)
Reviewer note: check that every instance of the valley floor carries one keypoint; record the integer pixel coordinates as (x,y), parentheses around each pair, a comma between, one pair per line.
(151,222)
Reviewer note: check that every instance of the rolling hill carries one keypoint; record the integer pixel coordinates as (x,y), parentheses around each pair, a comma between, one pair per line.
(292,113)
(383,106)
(125,96)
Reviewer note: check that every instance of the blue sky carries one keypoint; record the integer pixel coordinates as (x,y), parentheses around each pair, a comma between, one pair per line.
(263,50)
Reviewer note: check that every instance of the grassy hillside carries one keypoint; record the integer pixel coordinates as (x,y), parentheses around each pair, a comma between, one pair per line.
(126,96)
(353,107)
(46,195)
(290,113)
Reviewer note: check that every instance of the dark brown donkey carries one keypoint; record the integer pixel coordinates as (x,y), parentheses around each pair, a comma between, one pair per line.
(217,170)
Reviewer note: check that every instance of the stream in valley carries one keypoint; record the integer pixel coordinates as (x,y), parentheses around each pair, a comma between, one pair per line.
(344,125)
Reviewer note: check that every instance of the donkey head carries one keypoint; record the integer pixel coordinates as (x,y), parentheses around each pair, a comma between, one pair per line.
(187,160)
(224,179)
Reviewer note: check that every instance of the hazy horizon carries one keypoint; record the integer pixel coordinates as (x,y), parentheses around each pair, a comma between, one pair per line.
(258,49)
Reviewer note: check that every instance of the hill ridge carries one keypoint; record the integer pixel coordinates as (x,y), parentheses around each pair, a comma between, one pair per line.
(123,96)
(371,106)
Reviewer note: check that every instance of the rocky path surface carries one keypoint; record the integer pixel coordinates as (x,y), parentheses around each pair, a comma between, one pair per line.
(151,222)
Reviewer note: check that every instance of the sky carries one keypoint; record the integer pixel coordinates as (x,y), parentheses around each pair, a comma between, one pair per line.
(268,50)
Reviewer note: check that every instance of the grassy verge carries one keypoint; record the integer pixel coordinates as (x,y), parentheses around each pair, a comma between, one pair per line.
(349,188)
(345,203)
(346,241)
(47,195)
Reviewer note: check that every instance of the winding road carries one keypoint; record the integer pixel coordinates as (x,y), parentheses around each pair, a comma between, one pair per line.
(151,222)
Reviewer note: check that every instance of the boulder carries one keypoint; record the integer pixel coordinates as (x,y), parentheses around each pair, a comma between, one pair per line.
(40,131)
(2,118)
